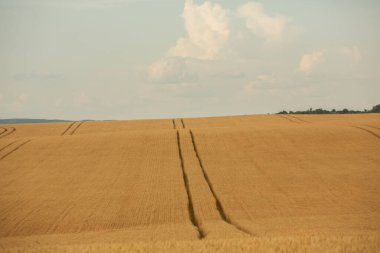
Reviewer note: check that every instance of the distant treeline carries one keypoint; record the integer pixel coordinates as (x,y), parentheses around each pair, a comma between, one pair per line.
(20,121)
(375,109)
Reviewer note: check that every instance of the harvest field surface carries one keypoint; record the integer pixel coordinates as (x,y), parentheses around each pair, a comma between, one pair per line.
(289,183)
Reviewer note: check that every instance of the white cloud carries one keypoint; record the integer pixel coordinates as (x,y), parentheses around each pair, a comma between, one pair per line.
(352,53)
(263,25)
(310,61)
(334,59)
(263,82)
(207,28)
(170,70)
(209,37)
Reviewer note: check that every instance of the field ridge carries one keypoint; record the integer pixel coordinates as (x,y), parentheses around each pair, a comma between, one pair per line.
(227,184)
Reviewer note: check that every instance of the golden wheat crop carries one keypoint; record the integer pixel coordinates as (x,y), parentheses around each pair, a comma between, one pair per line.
(289,183)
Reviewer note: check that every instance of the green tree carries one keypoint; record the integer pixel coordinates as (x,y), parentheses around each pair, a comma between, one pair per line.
(376,108)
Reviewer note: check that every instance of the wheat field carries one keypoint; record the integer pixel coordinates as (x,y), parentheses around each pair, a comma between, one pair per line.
(263,183)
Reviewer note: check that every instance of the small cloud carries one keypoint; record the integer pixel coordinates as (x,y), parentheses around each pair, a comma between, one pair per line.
(310,61)
(207,28)
(263,82)
(170,70)
(269,27)
(352,53)
(333,58)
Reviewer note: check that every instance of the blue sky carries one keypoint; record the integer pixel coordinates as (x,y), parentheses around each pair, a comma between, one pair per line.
(129,59)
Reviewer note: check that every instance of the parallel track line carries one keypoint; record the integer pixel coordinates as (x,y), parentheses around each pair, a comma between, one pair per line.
(291,120)
(368,131)
(19,146)
(67,129)
(9,133)
(76,128)
(190,205)
(218,203)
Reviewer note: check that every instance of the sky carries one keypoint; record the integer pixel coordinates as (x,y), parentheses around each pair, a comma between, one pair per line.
(136,59)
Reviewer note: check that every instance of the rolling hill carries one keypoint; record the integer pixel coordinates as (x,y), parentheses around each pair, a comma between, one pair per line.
(294,183)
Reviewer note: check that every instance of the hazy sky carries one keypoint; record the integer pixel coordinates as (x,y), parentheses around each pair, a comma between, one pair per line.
(126,59)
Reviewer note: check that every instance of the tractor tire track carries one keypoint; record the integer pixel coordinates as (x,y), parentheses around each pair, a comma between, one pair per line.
(218,203)
(299,119)
(190,205)
(67,129)
(9,132)
(4,130)
(368,131)
(291,120)
(183,124)
(373,127)
(15,149)
(1,149)
(76,128)
(174,126)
